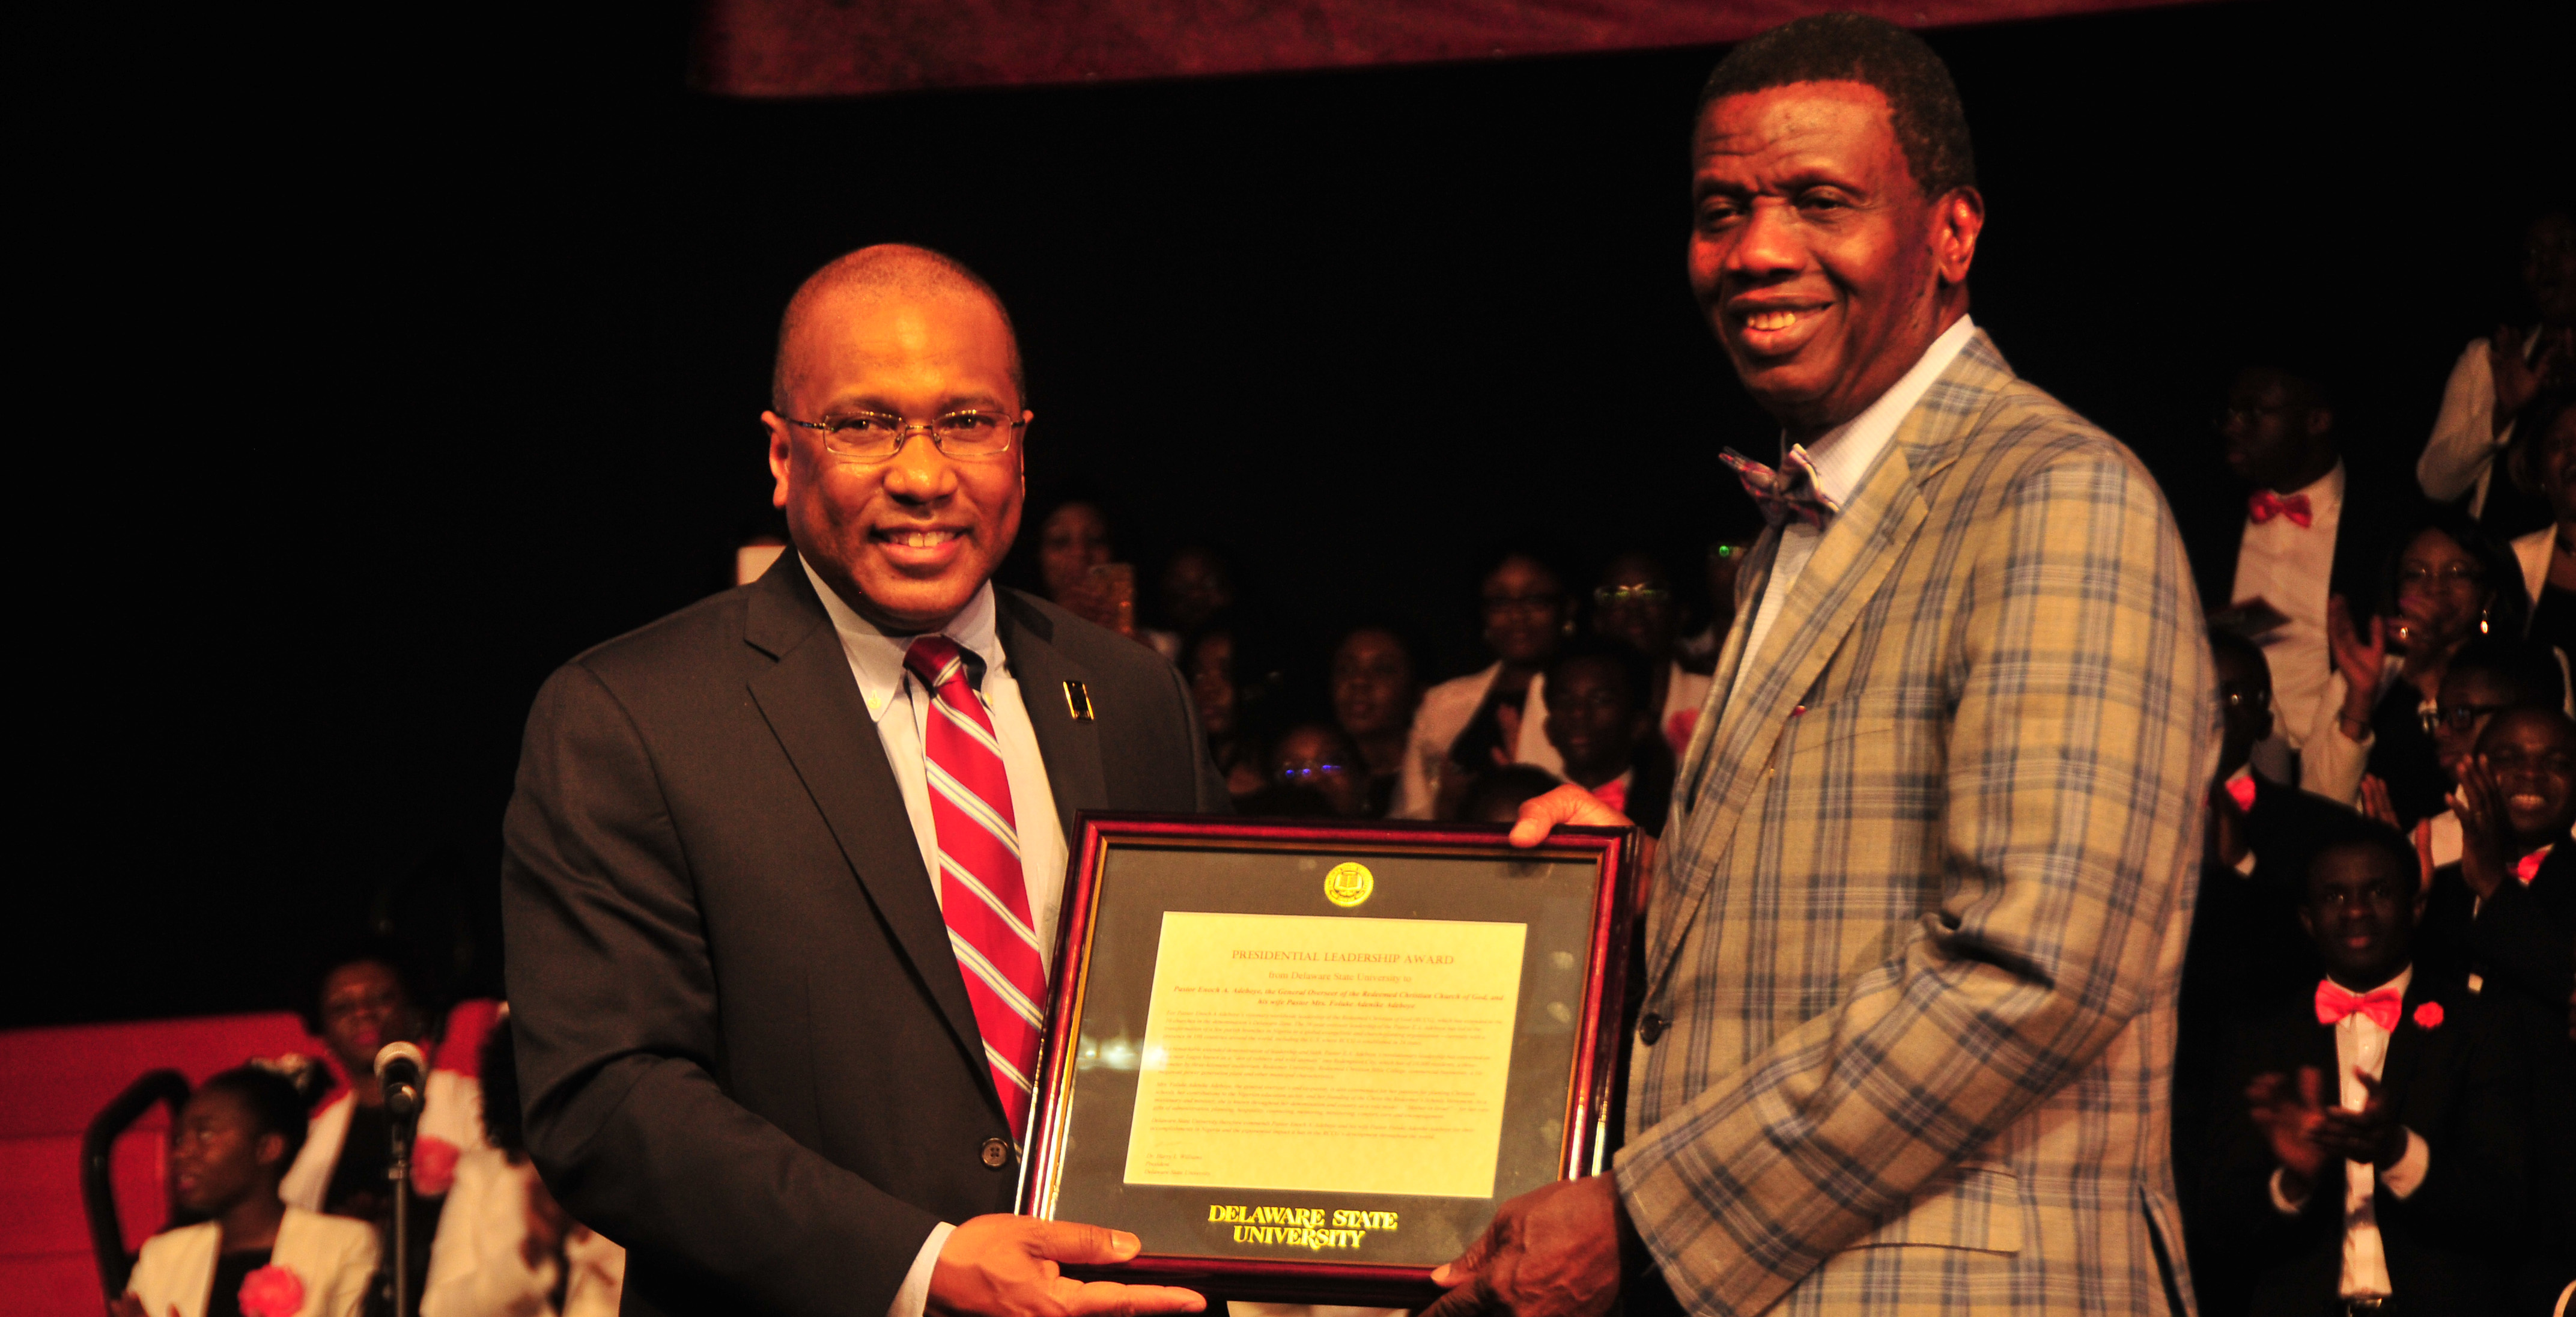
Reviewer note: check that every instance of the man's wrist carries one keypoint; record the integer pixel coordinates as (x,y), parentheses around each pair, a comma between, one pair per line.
(1635,1259)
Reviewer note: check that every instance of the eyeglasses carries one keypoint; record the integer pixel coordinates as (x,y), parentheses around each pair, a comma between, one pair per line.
(1302,774)
(1609,595)
(2457,574)
(2457,717)
(1728,552)
(2237,696)
(877,437)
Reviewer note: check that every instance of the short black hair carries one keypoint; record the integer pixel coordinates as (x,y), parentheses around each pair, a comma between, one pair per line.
(1631,665)
(1923,103)
(2365,834)
(277,1104)
(1508,787)
(2527,668)
(2223,641)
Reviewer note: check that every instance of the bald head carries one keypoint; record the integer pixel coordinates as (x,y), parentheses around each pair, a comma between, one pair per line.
(875,275)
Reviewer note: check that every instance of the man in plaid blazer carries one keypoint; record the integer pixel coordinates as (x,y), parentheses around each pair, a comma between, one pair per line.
(1916,934)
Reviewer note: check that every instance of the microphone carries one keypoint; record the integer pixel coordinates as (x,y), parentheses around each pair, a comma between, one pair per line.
(398,1068)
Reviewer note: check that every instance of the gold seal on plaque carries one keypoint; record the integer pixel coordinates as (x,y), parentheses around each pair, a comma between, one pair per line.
(1349,884)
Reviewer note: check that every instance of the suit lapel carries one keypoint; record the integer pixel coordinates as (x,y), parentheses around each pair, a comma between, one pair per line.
(2406,1044)
(1070,746)
(812,705)
(1852,560)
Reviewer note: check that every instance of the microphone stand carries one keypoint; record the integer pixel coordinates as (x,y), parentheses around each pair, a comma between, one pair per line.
(402,1104)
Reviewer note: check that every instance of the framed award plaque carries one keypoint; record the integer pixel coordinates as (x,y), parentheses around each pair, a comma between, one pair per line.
(1305,1063)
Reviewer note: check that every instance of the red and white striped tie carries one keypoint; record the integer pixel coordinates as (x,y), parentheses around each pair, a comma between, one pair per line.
(980,891)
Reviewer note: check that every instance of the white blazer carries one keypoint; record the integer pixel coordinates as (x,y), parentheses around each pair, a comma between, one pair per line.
(1445,711)
(451,1111)
(478,1266)
(334,1257)
(2532,551)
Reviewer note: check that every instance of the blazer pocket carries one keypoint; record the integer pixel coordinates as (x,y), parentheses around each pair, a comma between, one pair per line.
(1976,1206)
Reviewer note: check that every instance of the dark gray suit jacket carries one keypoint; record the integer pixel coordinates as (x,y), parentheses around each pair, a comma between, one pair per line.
(744,1047)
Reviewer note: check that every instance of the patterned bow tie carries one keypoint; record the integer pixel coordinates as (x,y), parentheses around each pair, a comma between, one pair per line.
(2334,1002)
(1792,491)
(2266,505)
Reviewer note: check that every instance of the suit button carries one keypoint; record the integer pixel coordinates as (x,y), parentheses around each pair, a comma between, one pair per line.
(996,1153)
(1651,1028)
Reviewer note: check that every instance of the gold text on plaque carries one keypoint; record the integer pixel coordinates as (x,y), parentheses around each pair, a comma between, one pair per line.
(1300,1227)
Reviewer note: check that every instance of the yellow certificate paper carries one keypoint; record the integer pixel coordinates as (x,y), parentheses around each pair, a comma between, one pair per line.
(1338,1055)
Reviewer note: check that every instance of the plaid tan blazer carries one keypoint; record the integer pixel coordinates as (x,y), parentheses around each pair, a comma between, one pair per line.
(1924,895)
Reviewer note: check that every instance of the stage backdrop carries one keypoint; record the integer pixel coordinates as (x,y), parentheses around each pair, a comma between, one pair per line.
(866,47)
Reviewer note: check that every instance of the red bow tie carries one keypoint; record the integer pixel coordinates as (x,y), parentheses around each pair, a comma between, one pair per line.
(1788,492)
(2266,505)
(2528,867)
(2242,789)
(2335,1002)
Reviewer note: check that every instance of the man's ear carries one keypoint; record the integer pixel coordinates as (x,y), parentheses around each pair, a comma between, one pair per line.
(1958,217)
(270,1150)
(782,455)
(2307,922)
(2320,420)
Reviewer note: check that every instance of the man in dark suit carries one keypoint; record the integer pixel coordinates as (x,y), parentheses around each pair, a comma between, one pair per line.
(760,1046)
(2507,910)
(2379,1158)
(2246,942)
(2299,528)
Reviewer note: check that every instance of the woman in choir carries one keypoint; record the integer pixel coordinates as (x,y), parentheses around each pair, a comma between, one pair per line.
(254,1255)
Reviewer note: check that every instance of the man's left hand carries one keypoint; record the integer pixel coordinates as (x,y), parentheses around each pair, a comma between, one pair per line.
(2370,1135)
(1552,1252)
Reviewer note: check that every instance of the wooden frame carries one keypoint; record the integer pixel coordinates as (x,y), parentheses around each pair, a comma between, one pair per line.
(1596,1049)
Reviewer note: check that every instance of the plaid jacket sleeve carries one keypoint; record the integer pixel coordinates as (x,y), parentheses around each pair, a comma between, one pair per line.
(2065,813)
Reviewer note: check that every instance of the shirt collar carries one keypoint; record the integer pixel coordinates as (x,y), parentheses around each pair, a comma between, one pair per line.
(2324,492)
(1843,454)
(876,656)
(2405,978)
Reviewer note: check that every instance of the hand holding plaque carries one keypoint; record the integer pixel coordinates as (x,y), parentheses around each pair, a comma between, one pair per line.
(1007,1266)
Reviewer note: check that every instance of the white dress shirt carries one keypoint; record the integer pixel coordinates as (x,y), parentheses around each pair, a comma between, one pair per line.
(2361,1045)
(876,661)
(1843,456)
(2291,567)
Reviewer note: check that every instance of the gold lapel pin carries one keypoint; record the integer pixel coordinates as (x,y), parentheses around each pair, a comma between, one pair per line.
(1077,701)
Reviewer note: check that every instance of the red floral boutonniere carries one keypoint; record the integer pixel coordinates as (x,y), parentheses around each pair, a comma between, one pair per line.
(433,1166)
(272,1291)
(2429,1015)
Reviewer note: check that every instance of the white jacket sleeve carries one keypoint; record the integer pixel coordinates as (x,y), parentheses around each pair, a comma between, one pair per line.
(478,1264)
(2464,443)
(2330,763)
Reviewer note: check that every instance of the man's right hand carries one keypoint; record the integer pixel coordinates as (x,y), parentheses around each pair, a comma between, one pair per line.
(1007,1266)
(1572,804)
(2288,1114)
(1567,804)
(2360,656)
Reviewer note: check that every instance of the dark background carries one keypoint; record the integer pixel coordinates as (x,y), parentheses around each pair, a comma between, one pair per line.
(379,368)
